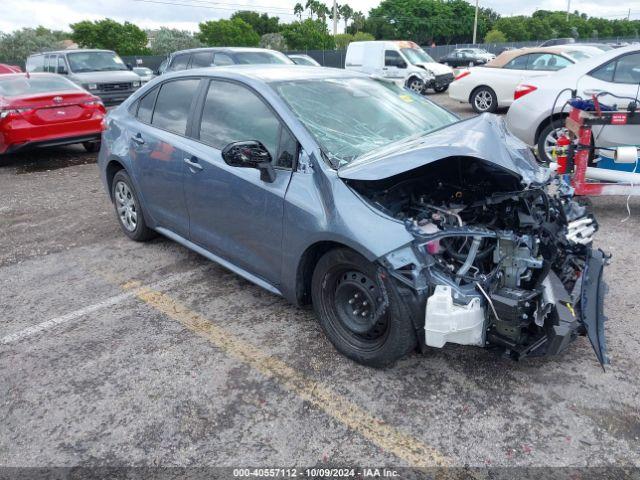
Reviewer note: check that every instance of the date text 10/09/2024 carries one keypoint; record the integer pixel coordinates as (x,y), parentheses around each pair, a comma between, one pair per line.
(315,472)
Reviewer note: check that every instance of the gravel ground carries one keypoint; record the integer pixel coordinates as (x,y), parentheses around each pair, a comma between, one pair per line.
(153,356)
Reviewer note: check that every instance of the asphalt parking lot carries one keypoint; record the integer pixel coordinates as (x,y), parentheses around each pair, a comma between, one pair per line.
(118,353)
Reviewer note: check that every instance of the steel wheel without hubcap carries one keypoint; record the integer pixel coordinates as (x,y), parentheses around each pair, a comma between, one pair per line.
(126,206)
(483,100)
(356,297)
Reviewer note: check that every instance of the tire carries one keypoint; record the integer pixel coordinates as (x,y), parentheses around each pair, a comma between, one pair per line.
(127,207)
(343,283)
(484,100)
(543,145)
(440,89)
(415,85)
(91,147)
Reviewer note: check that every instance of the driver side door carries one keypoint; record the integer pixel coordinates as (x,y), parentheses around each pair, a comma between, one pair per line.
(233,213)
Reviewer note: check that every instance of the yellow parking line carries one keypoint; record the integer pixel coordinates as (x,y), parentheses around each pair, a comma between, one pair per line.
(409,449)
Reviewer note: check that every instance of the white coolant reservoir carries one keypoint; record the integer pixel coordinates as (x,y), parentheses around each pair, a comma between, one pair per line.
(447,322)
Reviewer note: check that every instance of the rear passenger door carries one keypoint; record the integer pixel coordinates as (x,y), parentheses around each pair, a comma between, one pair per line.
(158,145)
(233,213)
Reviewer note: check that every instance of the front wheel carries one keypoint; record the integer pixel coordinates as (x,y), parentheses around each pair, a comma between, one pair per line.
(415,85)
(484,100)
(359,310)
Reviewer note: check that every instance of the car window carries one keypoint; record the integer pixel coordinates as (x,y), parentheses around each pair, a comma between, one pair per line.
(518,63)
(222,59)
(145,108)
(546,62)
(628,69)
(233,113)
(35,63)
(392,58)
(11,86)
(62,65)
(604,72)
(179,62)
(173,105)
(202,59)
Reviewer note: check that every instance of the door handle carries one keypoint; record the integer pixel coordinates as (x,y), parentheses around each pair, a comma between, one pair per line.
(138,139)
(193,164)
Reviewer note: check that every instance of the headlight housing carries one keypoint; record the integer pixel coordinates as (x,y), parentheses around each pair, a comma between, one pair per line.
(91,86)
(136,84)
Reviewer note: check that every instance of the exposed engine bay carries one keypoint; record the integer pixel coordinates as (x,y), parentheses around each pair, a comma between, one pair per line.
(500,265)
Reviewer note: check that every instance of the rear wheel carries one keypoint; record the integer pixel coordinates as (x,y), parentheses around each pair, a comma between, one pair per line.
(548,140)
(91,147)
(484,100)
(128,209)
(359,310)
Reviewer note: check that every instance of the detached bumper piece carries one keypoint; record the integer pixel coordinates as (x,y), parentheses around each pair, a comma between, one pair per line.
(592,303)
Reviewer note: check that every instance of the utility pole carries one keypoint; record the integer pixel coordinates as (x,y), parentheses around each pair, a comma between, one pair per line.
(568,9)
(335,18)
(629,15)
(475,24)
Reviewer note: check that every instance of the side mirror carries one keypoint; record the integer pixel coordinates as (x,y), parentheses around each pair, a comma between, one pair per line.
(250,154)
(61,70)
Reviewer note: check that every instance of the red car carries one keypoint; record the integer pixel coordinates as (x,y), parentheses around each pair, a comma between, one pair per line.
(4,68)
(43,109)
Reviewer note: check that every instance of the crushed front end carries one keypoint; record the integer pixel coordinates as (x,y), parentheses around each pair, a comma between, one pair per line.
(495,263)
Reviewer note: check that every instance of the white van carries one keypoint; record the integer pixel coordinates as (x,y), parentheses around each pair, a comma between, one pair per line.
(403,62)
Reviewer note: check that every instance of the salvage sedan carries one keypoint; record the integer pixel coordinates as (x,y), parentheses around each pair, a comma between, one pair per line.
(403,226)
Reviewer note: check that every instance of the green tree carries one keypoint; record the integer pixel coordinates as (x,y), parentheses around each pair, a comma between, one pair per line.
(230,33)
(347,14)
(495,36)
(297,10)
(363,37)
(308,35)
(15,47)
(167,40)
(124,38)
(358,23)
(261,23)
(342,40)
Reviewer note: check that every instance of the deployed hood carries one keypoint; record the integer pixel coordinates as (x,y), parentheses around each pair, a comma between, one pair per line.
(436,68)
(484,137)
(114,76)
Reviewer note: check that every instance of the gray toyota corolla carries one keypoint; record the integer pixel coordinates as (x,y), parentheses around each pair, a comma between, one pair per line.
(402,225)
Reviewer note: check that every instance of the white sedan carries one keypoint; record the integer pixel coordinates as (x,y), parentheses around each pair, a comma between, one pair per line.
(492,86)
(537,116)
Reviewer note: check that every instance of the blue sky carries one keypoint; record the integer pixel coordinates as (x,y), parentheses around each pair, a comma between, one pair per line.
(58,14)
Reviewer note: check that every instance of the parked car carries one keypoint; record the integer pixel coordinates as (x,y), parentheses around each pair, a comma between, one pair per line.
(211,57)
(400,61)
(4,68)
(535,119)
(101,72)
(145,74)
(491,86)
(43,109)
(467,57)
(601,46)
(373,213)
(557,41)
(301,59)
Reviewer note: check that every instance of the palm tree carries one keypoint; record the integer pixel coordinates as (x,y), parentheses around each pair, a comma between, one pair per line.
(347,12)
(312,6)
(338,12)
(358,21)
(297,10)
(323,11)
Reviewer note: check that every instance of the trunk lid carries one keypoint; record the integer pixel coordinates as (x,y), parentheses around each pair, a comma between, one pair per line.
(484,137)
(53,107)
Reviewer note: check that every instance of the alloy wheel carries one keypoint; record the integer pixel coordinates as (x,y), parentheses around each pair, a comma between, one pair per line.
(126,206)
(483,100)
(551,140)
(416,85)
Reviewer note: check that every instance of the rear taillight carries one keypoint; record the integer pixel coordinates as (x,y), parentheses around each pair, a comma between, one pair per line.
(522,90)
(11,112)
(95,104)
(462,75)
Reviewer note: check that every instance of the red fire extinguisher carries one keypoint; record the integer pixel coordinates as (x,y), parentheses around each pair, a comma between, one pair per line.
(562,149)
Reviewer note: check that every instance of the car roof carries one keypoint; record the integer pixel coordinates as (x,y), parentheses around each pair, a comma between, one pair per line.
(508,55)
(223,49)
(268,73)
(73,50)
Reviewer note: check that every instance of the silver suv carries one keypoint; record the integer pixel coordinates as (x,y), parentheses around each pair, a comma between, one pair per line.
(102,72)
